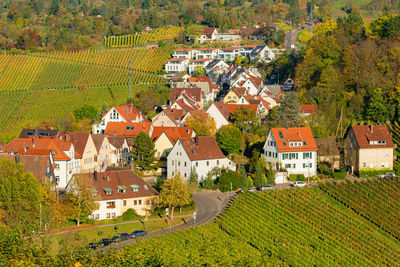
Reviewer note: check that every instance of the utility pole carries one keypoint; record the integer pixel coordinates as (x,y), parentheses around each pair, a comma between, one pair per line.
(130,80)
(40,224)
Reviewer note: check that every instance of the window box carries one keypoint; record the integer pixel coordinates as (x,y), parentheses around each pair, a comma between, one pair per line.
(111,207)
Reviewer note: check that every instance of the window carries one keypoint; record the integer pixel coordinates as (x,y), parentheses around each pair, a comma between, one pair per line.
(269,154)
(96,216)
(217,162)
(134,187)
(307,155)
(124,203)
(113,215)
(110,204)
(287,166)
(179,163)
(57,179)
(197,164)
(208,163)
(121,189)
(172,163)
(184,164)
(135,202)
(184,175)
(364,164)
(140,202)
(107,191)
(108,215)
(285,156)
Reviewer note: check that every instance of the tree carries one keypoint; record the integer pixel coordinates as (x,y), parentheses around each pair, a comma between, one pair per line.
(230,180)
(80,203)
(289,113)
(143,152)
(238,60)
(86,112)
(202,123)
(199,71)
(146,4)
(194,177)
(229,139)
(54,7)
(376,108)
(245,119)
(20,197)
(193,30)
(174,193)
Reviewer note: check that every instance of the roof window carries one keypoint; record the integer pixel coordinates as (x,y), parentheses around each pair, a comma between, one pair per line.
(280,134)
(284,143)
(134,187)
(130,127)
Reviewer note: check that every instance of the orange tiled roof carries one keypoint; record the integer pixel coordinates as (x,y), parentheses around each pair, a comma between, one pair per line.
(127,129)
(295,134)
(206,148)
(234,107)
(178,59)
(308,108)
(366,133)
(173,133)
(129,112)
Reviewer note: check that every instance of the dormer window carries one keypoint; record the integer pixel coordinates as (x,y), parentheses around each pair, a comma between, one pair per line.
(121,189)
(377,142)
(108,191)
(95,193)
(134,187)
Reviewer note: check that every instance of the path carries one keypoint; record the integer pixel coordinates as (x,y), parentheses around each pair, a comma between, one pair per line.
(208,206)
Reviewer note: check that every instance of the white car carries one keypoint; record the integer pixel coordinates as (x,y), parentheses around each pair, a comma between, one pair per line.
(299,184)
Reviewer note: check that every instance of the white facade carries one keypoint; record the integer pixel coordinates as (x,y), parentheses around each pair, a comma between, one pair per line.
(198,63)
(111,116)
(65,169)
(228,54)
(177,66)
(178,162)
(216,114)
(295,162)
(264,54)
(207,53)
(106,210)
(185,53)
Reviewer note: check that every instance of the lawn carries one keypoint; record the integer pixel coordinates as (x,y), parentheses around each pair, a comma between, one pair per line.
(338,4)
(56,243)
(304,36)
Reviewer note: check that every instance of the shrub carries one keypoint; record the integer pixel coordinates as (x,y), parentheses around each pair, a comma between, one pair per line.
(339,174)
(208,184)
(296,177)
(129,215)
(368,172)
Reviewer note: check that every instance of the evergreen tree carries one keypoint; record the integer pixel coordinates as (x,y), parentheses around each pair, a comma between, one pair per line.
(143,152)
(146,4)
(289,110)
(229,139)
(376,109)
(54,7)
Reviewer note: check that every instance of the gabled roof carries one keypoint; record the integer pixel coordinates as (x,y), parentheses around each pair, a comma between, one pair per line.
(127,129)
(173,133)
(283,136)
(256,81)
(206,148)
(98,141)
(176,115)
(116,141)
(209,31)
(252,100)
(177,59)
(194,92)
(234,107)
(79,140)
(112,178)
(308,109)
(129,112)
(366,133)
(239,91)
(40,146)
(223,109)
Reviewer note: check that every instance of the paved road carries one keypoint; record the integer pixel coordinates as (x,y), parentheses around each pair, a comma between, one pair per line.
(291,37)
(208,206)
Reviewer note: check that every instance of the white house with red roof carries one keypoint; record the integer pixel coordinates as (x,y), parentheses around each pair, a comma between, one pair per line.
(177,65)
(209,35)
(200,154)
(293,149)
(209,53)
(220,113)
(123,113)
(262,53)
(188,53)
(200,64)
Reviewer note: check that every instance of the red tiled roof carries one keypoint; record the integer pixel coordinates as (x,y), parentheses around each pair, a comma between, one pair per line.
(98,141)
(236,31)
(209,31)
(194,92)
(202,59)
(173,133)
(366,133)
(124,128)
(239,91)
(250,46)
(129,112)
(253,100)
(207,148)
(184,106)
(178,59)
(308,109)
(223,108)
(256,81)
(116,141)
(209,48)
(79,140)
(234,107)
(118,177)
(184,49)
(42,146)
(176,115)
(295,134)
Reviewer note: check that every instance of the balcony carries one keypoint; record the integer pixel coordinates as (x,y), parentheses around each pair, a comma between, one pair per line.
(111,207)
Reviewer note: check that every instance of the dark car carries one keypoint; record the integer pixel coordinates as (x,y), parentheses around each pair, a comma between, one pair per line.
(115,238)
(105,242)
(124,236)
(138,233)
(93,245)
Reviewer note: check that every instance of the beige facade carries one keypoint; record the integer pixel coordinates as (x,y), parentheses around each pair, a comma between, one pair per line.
(231,98)
(89,157)
(141,205)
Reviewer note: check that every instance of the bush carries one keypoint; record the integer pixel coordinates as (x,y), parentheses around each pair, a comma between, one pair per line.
(231,180)
(296,177)
(339,174)
(130,214)
(367,173)
(208,184)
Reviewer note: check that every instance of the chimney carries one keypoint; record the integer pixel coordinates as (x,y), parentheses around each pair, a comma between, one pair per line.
(95,175)
(36,131)
(371,128)
(196,140)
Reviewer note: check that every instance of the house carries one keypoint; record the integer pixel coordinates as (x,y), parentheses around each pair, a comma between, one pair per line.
(227,37)
(253,85)
(119,150)
(269,97)
(127,129)
(235,107)
(216,64)
(169,117)
(198,64)
(115,191)
(194,93)
(177,65)
(164,139)
(208,53)
(288,85)
(209,35)
(85,146)
(66,160)
(123,113)
(246,50)
(329,151)
(293,149)
(206,85)
(103,149)
(41,166)
(262,53)
(228,54)
(185,102)
(26,133)
(193,113)
(220,113)
(233,95)
(307,110)
(368,147)
(187,53)
(200,154)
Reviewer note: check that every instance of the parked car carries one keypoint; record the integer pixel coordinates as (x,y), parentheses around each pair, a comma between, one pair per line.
(105,242)
(93,245)
(124,236)
(267,187)
(299,184)
(252,189)
(382,176)
(115,238)
(138,233)
(390,175)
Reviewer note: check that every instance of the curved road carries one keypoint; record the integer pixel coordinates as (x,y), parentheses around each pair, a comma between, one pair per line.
(208,206)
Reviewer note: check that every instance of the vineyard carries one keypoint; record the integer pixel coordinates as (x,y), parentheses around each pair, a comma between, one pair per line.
(142,38)
(49,86)
(395,130)
(299,227)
